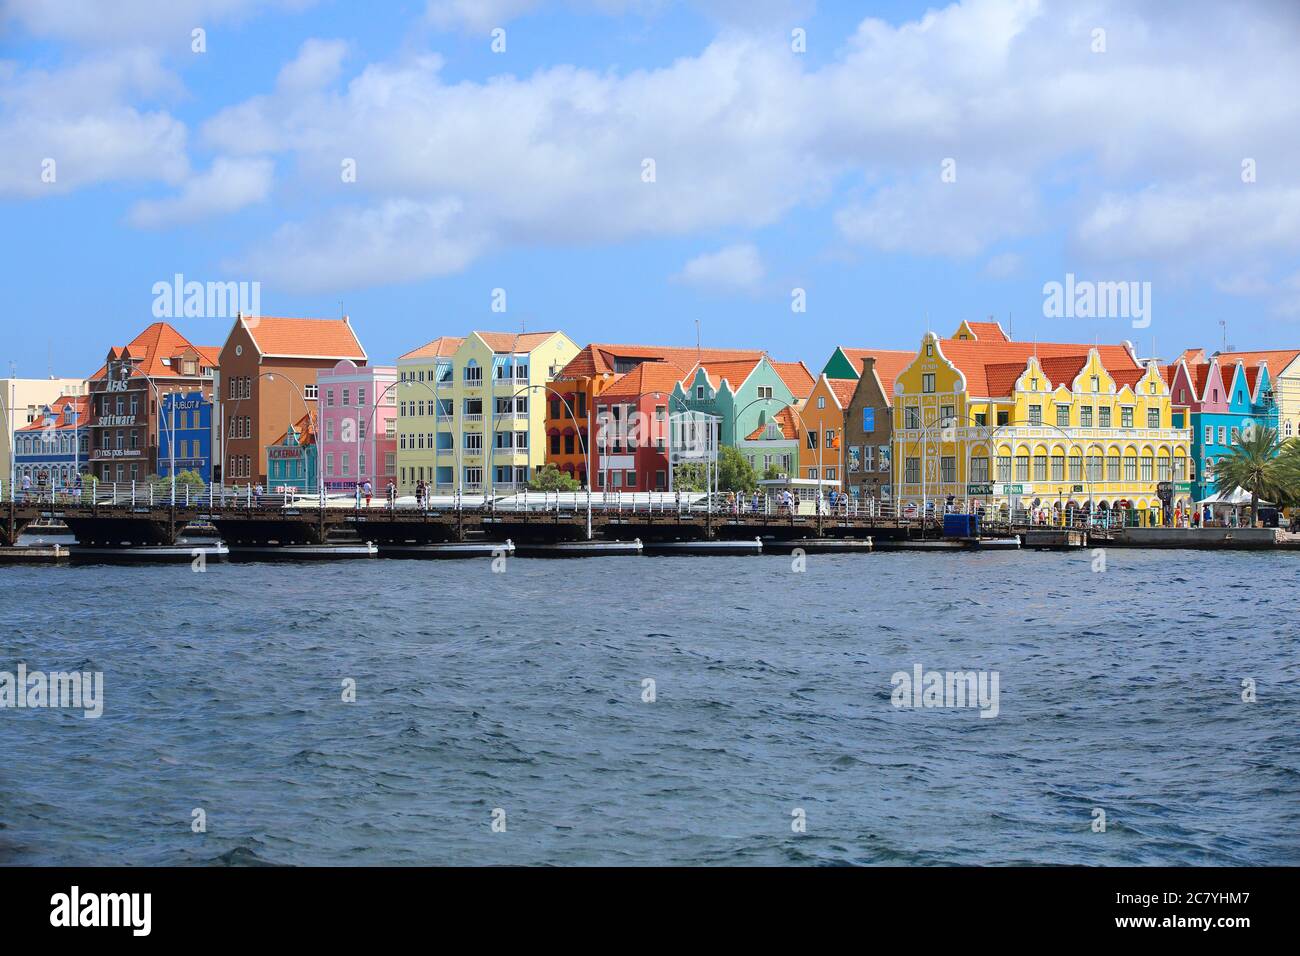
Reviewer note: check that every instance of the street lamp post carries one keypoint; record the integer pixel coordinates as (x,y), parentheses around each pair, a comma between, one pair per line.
(311,424)
(803,425)
(1089,446)
(9,433)
(586,445)
(425,385)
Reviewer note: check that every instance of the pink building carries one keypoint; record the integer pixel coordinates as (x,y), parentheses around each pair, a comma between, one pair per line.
(357,437)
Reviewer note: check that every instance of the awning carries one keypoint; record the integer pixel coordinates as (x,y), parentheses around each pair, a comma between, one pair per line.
(1238,496)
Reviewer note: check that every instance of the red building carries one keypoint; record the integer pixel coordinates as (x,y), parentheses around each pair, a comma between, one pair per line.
(590,373)
(630,452)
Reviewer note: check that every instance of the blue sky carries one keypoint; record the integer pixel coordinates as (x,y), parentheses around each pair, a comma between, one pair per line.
(1116,156)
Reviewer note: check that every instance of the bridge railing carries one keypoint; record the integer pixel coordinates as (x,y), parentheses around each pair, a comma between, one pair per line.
(158,494)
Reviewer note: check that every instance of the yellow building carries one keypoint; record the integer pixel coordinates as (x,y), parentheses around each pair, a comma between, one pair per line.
(1036,426)
(472,411)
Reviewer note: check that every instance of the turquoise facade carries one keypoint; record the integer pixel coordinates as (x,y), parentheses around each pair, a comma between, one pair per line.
(743,405)
(1226,406)
(291,463)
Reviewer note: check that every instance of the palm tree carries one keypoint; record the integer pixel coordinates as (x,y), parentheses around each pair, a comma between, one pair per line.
(1288,470)
(1253,466)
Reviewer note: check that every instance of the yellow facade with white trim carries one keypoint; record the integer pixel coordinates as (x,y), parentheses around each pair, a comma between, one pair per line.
(1112,442)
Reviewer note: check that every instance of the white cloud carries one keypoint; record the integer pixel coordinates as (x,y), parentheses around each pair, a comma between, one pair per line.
(735,268)
(1193,219)
(1004,265)
(929,216)
(96,23)
(1046,134)
(229,185)
(79,118)
(396,241)
(476,16)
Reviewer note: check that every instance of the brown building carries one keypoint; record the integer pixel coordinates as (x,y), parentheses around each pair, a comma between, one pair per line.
(123,415)
(869,424)
(267,380)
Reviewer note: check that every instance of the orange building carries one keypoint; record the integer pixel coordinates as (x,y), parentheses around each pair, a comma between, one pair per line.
(821,454)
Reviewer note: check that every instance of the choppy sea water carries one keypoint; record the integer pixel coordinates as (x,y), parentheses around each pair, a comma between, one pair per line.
(523,691)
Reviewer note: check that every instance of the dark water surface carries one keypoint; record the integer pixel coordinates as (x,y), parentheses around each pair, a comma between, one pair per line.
(523,691)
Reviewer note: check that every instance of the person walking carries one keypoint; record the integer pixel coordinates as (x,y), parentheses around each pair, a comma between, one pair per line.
(368,489)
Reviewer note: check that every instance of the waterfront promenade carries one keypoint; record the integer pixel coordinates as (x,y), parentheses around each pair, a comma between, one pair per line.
(132,521)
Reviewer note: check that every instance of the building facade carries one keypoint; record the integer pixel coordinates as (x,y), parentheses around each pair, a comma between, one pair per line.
(292,460)
(1284,374)
(1225,402)
(869,427)
(125,398)
(357,434)
(1061,428)
(773,447)
(743,395)
(824,419)
(189,414)
(21,401)
(595,368)
(472,412)
(632,432)
(268,370)
(51,451)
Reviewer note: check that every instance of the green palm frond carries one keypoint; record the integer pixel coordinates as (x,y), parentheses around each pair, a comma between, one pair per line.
(1254,466)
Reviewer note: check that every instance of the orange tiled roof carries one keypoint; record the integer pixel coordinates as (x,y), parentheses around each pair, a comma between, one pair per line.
(63,407)
(974,359)
(1277,359)
(315,338)
(734,372)
(157,342)
(797,378)
(1252,376)
(889,363)
(513,341)
(306,435)
(440,347)
(784,418)
(988,331)
(1200,376)
(1127,376)
(843,388)
(646,378)
(599,358)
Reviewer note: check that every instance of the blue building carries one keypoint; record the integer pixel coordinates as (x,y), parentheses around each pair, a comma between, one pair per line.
(291,461)
(1226,401)
(191,415)
(53,451)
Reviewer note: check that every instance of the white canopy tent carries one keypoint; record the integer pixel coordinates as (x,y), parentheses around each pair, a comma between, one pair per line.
(1236,498)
